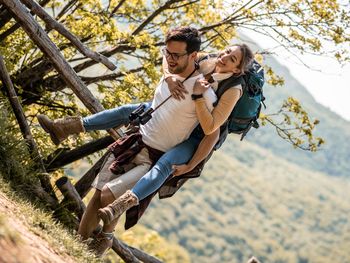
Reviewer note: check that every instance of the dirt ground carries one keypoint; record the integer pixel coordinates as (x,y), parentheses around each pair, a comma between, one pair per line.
(22,245)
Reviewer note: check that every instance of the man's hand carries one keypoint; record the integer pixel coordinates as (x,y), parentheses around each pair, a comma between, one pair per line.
(176,88)
(181,169)
(200,86)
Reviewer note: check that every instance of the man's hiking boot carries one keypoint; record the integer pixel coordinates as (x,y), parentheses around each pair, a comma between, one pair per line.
(60,129)
(118,207)
(101,243)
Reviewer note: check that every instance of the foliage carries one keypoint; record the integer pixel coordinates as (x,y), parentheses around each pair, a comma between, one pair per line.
(152,243)
(15,163)
(132,31)
(294,132)
(251,202)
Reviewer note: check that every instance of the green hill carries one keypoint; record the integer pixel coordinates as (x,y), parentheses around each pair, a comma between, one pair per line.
(252,202)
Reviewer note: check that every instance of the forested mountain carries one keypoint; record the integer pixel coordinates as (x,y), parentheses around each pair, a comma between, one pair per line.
(249,202)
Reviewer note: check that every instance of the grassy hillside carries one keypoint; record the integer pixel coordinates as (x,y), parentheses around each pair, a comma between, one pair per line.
(28,233)
(333,157)
(251,202)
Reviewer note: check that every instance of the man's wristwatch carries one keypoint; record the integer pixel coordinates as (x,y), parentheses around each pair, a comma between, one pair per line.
(196,96)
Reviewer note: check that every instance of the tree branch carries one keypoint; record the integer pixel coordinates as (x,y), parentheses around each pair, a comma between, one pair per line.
(116,8)
(153,15)
(5,17)
(62,157)
(53,24)
(27,135)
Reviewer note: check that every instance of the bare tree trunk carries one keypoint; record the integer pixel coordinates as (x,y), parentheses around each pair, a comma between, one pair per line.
(62,157)
(71,199)
(6,16)
(38,35)
(141,255)
(17,109)
(124,252)
(83,186)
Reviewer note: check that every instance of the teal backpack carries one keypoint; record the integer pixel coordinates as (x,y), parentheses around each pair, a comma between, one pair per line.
(246,112)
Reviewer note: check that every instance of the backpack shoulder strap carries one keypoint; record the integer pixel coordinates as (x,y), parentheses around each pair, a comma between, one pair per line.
(227,84)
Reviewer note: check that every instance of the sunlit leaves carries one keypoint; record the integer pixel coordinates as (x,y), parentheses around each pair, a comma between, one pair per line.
(294,125)
(272,78)
(139,26)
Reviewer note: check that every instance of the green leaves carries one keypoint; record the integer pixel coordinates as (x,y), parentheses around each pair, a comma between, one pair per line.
(133,31)
(293,124)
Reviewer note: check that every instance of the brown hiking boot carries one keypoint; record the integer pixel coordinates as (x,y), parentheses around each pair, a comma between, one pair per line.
(118,207)
(101,243)
(60,129)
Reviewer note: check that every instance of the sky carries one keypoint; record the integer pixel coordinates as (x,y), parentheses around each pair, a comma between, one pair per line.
(329,85)
(324,78)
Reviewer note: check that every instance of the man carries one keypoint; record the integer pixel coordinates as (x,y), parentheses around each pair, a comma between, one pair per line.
(171,124)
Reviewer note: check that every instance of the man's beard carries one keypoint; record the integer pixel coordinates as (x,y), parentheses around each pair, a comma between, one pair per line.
(179,69)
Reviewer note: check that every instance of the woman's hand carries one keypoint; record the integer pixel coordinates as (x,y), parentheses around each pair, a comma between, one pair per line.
(200,86)
(176,88)
(181,169)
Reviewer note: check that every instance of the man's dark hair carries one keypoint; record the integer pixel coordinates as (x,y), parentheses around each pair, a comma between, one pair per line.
(186,34)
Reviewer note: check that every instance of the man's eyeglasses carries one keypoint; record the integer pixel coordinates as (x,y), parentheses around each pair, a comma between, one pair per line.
(174,56)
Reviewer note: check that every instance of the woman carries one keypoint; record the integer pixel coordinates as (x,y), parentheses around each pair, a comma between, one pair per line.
(233,61)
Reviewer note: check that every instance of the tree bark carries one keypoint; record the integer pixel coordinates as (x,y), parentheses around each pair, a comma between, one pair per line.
(83,185)
(62,157)
(27,135)
(5,15)
(38,35)
(71,199)
(124,252)
(53,24)
(141,255)
(17,25)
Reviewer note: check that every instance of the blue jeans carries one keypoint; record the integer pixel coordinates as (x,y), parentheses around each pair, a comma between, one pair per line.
(155,177)
(108,119)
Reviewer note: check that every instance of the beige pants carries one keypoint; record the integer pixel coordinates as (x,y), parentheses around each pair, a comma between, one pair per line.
(119,184)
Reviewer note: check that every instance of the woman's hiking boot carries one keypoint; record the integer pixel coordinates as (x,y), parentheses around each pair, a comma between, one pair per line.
(101,243)
(60,129)
(118,207)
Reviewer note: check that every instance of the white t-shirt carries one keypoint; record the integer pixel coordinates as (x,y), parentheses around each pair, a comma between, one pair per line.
(174,121)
